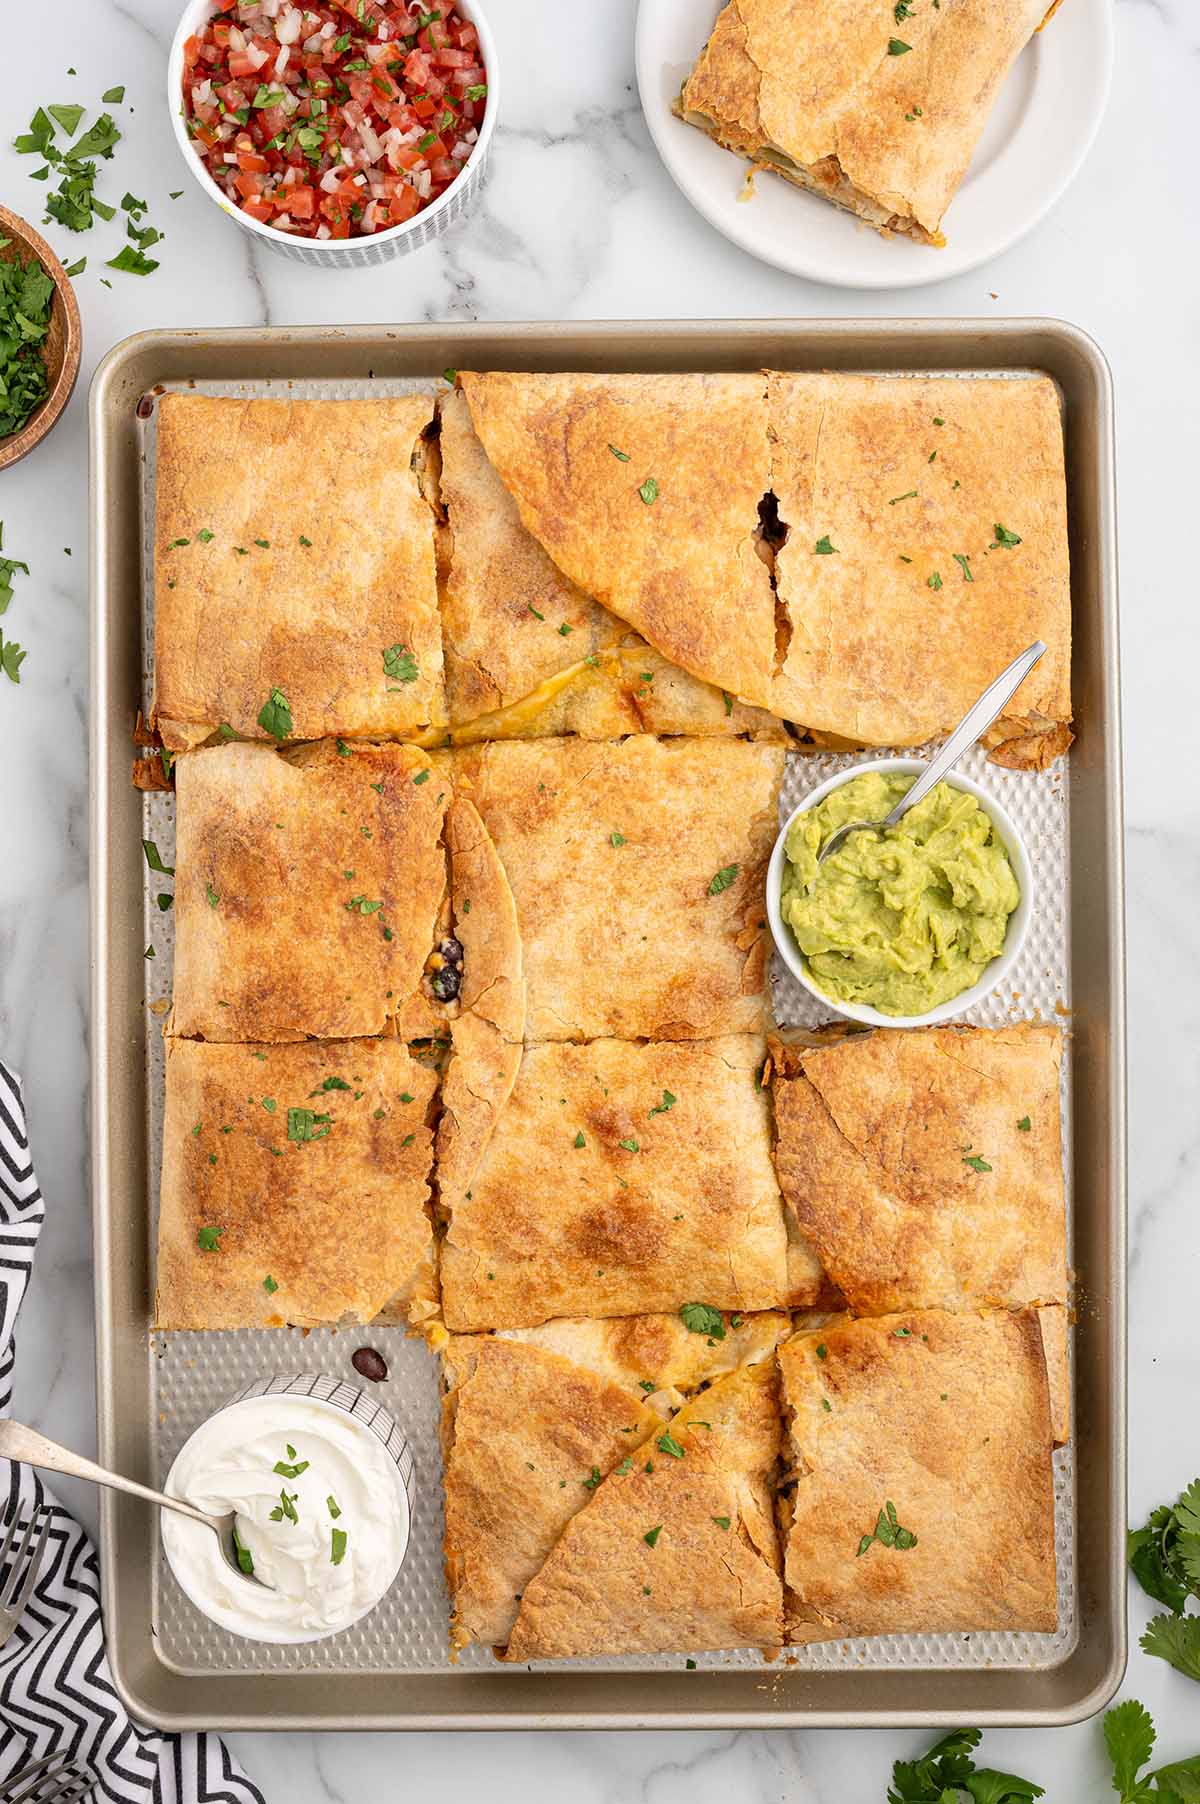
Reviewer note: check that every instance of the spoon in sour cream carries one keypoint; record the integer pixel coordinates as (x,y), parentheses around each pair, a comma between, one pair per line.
(33,1449)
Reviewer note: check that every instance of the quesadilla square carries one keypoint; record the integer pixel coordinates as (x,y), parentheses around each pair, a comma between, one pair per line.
(309,888)
(533,1421)
(925,1167)
(923,1494)
(617,1178)
(294,553)
(937,496)
(295,1185)
(877,108)
(676,1551)
(637,872)
(527,653)
(644,490)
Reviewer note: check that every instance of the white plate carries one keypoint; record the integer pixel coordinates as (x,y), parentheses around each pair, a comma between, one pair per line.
(1040,130)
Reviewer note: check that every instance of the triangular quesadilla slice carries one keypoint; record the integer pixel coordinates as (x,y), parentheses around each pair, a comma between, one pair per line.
(533,1421)
(677,1551)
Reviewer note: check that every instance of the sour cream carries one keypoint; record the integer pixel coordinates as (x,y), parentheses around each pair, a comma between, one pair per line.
(322,1513)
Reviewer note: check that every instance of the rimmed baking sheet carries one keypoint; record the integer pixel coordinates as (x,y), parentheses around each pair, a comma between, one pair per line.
(172,1382)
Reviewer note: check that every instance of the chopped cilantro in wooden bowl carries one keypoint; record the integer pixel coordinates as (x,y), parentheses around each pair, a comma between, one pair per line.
(39,338)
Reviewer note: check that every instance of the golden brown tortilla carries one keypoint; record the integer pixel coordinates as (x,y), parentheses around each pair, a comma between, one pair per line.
(308,890)
(293,549)
(875,1137)
(295,1185)
(616,1178)
(637,871)
(708,1575)
(947,1418)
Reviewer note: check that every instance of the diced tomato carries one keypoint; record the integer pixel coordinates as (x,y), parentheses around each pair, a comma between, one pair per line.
(393,71)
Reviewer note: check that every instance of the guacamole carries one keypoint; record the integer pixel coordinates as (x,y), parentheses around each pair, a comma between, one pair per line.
(904,920)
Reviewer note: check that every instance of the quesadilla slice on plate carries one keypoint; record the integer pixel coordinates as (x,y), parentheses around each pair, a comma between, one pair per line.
(873,106)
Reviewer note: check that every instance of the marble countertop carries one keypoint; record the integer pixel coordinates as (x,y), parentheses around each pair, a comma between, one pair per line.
(581,222)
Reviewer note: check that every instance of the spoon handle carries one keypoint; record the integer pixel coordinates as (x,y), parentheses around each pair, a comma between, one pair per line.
(971,727)
(33,1449)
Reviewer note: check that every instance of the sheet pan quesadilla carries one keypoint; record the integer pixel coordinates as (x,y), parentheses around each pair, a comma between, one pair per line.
(637,872)
(527,653)
(677,1551)
(618,1178)
(534,1420)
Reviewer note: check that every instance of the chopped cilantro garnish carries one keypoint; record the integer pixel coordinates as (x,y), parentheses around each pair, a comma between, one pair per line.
(209,1239)
(824,546)
(275,716)
(724,877)
(702,1318)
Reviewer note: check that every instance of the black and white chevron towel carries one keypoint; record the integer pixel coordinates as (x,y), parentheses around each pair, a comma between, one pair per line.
(56,1692)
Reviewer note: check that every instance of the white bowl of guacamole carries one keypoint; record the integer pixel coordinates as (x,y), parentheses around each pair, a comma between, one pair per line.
(905,928)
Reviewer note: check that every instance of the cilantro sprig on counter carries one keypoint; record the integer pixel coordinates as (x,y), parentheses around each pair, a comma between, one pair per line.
(74,203)
(12,655)
(1165,1559)
(948,1774)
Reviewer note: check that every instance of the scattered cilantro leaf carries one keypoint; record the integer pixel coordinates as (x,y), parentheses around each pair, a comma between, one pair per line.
(209,1239)
(824,546)
(275,716)
(702,1318)
(724,877)
(399,662)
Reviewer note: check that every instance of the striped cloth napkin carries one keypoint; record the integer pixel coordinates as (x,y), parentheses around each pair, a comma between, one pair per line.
(56,1692)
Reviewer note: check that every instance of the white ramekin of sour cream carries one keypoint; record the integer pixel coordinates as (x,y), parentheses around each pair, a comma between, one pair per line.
(321,1479)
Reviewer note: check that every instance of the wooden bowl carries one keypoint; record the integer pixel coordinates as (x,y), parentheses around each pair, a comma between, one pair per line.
(61,346)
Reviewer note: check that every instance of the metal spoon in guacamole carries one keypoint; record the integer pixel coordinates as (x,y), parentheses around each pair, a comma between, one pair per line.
(971,727)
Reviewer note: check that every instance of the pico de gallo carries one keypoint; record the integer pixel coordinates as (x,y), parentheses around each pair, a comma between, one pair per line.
(335,120)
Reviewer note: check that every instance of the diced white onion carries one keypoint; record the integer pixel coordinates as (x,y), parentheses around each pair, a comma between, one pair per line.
(312,46)
(288,26)
(329,181)
(323,231)
(202,93)
(255,55)
(281,61)
(237,39)
(370,143)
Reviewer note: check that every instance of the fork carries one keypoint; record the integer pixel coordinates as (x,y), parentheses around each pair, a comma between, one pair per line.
(20,1562)
(49,1781)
